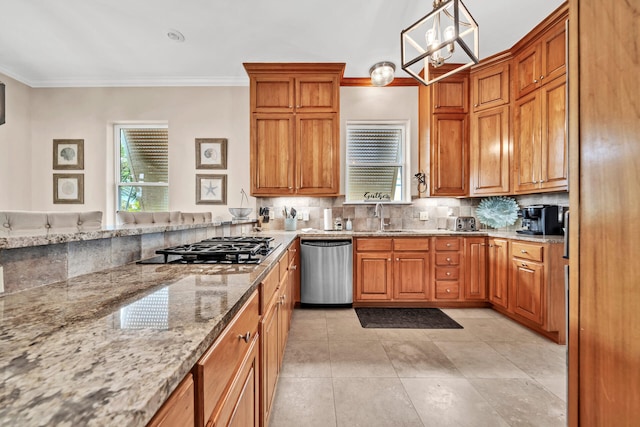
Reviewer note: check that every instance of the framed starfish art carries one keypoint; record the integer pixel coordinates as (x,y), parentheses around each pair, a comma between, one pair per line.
(211,189)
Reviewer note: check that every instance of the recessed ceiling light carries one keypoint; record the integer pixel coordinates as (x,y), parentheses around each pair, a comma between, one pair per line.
(175,35)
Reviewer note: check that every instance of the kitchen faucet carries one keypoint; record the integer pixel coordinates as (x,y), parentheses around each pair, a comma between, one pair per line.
(378,213)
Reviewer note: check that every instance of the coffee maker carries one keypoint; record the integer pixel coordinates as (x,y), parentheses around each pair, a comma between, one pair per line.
(541,219)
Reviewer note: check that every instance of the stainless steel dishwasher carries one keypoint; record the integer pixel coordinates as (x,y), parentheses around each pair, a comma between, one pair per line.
(326,273)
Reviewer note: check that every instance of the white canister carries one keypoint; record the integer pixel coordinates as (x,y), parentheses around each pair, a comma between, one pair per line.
(328,219)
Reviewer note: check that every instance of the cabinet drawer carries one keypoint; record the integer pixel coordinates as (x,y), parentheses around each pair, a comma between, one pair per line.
(448,259)
(373,244)
(178,409)
(447,244)
(447,273)
(268,288)
(447,290)
(219,364)
(414,244)
(527,251)
(283,264)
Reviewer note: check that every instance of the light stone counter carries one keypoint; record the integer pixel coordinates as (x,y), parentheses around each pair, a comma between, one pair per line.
(108,348)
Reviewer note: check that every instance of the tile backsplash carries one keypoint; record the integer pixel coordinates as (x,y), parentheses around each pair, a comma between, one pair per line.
(398,216)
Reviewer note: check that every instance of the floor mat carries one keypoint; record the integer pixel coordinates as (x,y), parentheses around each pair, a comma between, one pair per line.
(405,318)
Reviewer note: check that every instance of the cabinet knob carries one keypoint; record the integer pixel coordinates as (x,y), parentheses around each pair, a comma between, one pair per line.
(541,77)
(397,259)
(448,245)
(475,105)
(246,337)
(541,181)
(535,80)
(448,290)
(294,267)
(448,259)
(490,246)
(534,181)
(290,106)
(293,250)
(525,265)
(448,273)
(523,251)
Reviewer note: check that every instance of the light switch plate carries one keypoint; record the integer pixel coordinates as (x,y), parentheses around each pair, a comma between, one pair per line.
(424,216)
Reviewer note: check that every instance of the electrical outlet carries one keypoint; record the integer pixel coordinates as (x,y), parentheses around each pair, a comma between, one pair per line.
(305,215)
(424,216)
(1,280)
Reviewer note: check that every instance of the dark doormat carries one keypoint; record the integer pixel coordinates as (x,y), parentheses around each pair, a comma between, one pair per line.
(405,318)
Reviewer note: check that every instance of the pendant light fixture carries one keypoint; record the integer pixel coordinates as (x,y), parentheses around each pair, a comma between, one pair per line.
(447,33)
(382,73)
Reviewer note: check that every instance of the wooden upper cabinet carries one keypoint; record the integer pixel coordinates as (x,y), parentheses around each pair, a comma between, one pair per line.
(295,128)
(450,155)
(490,87)
(317,94)
(541,61)
(489,154)
(554,171)
(318,145)
(527,150)
(451,95)
(271,94)
(272,154)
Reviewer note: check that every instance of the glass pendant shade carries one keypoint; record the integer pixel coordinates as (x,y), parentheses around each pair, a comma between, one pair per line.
(448,33)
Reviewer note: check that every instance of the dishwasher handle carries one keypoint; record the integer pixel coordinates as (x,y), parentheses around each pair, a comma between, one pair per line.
(326,243)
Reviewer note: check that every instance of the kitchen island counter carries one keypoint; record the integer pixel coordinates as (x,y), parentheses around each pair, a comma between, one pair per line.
(108,348)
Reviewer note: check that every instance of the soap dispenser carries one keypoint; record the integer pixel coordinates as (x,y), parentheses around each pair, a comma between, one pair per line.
(348,226)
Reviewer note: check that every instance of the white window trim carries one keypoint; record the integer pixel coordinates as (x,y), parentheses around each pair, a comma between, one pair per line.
(406,154)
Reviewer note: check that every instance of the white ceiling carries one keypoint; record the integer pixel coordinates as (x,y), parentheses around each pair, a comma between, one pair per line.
(61,43)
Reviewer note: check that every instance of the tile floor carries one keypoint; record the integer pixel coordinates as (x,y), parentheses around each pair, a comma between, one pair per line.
(493,372)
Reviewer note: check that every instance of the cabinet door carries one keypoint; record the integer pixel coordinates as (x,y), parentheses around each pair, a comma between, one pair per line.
(318,154)
(449,155)
(411,275)
(269,358)
(451,95)
(241,407)
(317,94)
(499,272)
(490,151)
(526,144)
(527,68)
(272,94)
(178,410)
(272,154)
(527,284)
(475,269)
(554,165)
(490,87)
(554,52)
(283,317)
(373,276)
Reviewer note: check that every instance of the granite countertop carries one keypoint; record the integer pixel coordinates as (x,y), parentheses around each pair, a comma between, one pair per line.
(108,348)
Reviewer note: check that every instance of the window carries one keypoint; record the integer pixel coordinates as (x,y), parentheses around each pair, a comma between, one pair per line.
(377,159)
(143,167)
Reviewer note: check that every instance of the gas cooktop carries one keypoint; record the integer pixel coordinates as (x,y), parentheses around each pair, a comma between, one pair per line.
(218,250)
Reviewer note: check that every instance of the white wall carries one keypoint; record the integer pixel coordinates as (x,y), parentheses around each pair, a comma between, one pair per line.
(191,112)
(15,147)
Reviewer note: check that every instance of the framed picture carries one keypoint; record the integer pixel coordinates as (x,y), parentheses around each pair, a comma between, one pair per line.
(68,153)
(68,188)
(211,189)
(211,153)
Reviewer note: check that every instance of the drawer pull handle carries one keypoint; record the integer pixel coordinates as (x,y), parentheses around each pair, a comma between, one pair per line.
(525,265)
(293,250)
(523,251)
(246,337)
(294,267)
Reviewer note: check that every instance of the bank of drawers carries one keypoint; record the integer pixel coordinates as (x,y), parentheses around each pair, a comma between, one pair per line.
(447,268)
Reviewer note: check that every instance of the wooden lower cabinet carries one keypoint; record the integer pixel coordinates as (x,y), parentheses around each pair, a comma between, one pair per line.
(277,291)
(448,270)
(227,375)
(498,272)
(475,268)
(392,269)
(527,283)
(178,410)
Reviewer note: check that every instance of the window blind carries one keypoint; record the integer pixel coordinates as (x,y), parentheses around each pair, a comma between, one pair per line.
(375,162)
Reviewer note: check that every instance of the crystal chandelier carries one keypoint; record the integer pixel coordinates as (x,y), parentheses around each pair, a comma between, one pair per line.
(447,33)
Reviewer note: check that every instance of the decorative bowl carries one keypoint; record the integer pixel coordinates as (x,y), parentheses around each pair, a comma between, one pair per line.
(497,211)
(240,213)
